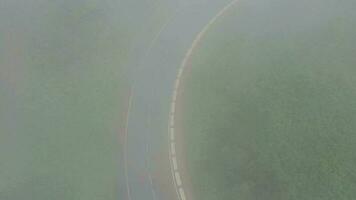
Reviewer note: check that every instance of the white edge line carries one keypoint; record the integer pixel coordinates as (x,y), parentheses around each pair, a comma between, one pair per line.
(172,121)
(182,193)
(153,191)
(173,148)
(147,52)
(172,134)
(178,180)
(173,108)
(173,160)
(175,164)
(125,148)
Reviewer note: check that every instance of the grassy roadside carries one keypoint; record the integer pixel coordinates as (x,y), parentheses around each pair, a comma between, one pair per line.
(63,93)
(62,82)
(270,103)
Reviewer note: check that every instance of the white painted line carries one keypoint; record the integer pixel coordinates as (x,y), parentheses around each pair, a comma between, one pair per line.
(125,147)
(175,92)
(172,121)
(173,108)
(176,85)
(190,50)
(182,194)
(178,180)
(152,189)
(146,54)
(180,72)
(175,165)
(176,176)
(172,134)
(173,148)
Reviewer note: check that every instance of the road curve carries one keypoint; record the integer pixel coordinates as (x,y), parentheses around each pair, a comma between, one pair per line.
(147,159)
(178,184)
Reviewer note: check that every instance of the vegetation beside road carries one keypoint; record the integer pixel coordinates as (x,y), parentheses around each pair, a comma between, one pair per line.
(63,86)
(59,128)
(270,104)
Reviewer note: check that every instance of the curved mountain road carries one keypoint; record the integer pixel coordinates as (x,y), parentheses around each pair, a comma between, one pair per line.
(150,166)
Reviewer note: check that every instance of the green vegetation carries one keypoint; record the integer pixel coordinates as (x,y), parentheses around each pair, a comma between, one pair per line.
(63,90)
(62,94)
(271,103)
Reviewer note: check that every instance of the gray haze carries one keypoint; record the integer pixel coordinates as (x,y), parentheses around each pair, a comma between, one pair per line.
(68,67)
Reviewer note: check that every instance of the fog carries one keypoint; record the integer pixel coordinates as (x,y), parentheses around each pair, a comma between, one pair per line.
(86,85)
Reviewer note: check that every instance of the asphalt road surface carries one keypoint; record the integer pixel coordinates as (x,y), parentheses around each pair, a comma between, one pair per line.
(147,174)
